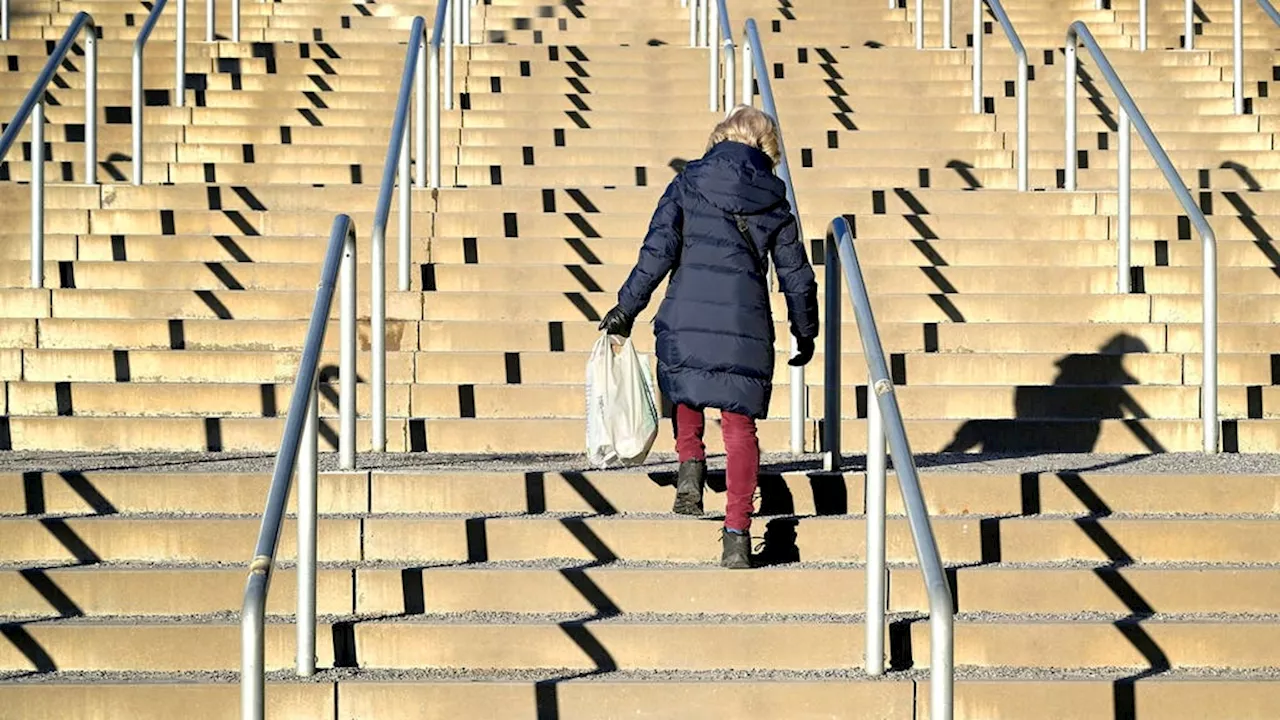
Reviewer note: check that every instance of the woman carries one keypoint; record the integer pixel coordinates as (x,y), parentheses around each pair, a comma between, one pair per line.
(714,228)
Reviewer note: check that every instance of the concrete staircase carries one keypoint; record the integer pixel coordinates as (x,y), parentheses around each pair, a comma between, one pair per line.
(517,589)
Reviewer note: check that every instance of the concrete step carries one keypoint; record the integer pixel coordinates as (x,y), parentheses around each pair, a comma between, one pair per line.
(871,252)
(1045,338)
(930,279)
(1106,436)
(397,538)
(688,646)
(477,493)
(445,399)
(275,335)
(178,434)
(173,304)
(220,335)
(187,365)
(892,308)
(159,591)
(682,699)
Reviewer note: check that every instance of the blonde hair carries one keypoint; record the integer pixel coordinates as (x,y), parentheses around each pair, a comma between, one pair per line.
(748,126)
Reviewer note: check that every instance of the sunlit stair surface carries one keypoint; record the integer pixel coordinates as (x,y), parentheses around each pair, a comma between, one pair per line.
(479,569)
(478,590)
(174,310)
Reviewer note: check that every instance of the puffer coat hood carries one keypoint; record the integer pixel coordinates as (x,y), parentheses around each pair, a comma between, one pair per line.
(737,179)
(714,329)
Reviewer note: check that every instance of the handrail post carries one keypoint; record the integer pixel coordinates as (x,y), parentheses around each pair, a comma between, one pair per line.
(90,106)
(1126,158)
(1024,154)
(704,23)
(730,75)
(136,115)
(448,63)
(977,57)
(1189,25)
(713,62)
(378,336)
(946,25)
(832,385)
(210,35)
(1237,73)
(180,62)
(420,118)
(877,575)
(748,81)
(433,114)
(37,194)
(253,703)
(919,24)
(1209,342)
(1142,25)
(308,460)
(347,357)
(721,42)
(4,20)
(693,22)
(1069,166)
(406,212)
(235,20)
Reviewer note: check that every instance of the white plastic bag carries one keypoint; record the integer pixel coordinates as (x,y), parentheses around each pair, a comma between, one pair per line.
(622,419)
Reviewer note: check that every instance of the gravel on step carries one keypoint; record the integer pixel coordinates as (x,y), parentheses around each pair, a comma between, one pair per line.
(558,675)
(495,617)
(997,463)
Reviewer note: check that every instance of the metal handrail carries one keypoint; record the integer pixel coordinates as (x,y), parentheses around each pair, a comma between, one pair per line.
(4,20)
(33,107)
(699,22)
(1078,34)
(720,19)
(398,155)
(421,79)
(946,23)
(210,21)
(300,445)
(1020,52)
(754,64)
(884,415)
(180,80)
(1237,56)
(1270,10)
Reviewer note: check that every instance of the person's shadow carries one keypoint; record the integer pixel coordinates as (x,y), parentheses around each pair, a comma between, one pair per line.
(1066,416)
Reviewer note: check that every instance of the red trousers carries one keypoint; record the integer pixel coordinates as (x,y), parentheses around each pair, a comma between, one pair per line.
(744,458)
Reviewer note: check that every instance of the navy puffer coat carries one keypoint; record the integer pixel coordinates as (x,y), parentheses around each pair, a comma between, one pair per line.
(714,329)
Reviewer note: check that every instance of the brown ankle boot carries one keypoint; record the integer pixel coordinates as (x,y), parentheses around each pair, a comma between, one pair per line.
(737,550)
(690,481)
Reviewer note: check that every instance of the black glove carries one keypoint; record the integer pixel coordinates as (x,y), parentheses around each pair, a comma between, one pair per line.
(617,322)
(804,352)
